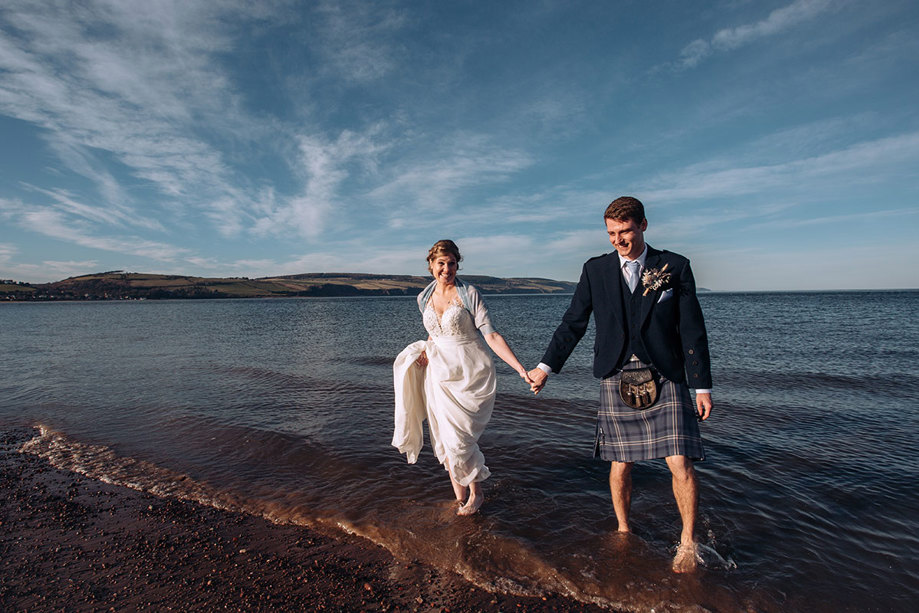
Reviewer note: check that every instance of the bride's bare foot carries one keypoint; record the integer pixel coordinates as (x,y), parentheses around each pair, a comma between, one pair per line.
(686,559)
(471,507)
(459,491)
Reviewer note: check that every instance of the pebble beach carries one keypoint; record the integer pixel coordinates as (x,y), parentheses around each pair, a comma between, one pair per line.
(70,543)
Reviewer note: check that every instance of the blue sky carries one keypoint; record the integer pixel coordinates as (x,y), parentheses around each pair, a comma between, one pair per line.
(776,144)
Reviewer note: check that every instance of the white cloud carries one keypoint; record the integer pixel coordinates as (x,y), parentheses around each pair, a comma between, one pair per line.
(69,268)
(226,215)
(425,191)
(46,271)
(111,214)
(53,223)
(777,22)
(324,166)
(349,258)
(859,163)
(694,52)
(7,251)
(355,36)
(689,229)
(200,262)
(136,82)
(825,220)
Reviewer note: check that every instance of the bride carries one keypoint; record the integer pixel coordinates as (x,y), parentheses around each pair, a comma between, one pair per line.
(449,379)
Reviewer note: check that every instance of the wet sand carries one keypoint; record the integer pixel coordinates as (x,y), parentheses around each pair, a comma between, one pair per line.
(72,543)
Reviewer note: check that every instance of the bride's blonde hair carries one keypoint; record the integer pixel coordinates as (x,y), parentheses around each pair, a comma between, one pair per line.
(444,247)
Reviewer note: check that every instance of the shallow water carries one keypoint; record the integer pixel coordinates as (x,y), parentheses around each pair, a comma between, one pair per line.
(283,408)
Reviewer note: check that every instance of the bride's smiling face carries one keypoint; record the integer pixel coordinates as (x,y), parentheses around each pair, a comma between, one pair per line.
(444,269)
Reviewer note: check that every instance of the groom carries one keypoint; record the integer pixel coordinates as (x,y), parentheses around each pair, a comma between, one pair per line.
(647,316)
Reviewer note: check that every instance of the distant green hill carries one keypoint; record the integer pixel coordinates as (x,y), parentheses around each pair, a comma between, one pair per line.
(118,285)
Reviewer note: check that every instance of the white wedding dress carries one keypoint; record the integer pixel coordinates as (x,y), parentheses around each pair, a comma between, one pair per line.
(455,392)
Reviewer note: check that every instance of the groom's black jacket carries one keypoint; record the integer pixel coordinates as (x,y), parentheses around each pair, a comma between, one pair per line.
(673,331)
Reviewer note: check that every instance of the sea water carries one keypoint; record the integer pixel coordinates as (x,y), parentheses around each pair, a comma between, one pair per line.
(284,408)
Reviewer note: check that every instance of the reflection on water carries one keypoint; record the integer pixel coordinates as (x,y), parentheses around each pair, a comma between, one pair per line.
(283,408)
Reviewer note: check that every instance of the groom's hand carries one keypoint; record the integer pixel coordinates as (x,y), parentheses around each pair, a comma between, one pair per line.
(704,405)
(538,379)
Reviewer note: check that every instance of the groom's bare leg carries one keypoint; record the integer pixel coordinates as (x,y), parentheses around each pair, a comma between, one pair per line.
(685,491)
(620,488)
(476,498)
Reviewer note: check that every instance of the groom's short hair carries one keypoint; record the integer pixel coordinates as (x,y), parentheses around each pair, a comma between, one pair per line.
(625,208)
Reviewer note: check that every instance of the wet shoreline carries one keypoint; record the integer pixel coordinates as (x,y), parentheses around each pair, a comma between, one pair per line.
(73,543)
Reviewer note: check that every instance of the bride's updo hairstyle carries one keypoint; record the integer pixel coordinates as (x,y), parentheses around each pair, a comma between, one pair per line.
(444,247)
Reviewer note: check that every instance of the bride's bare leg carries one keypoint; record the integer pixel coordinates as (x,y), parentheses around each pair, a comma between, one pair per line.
(476,498)
(459,490)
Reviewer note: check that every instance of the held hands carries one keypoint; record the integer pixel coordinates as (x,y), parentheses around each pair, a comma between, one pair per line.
(535,384)
(537,379)
(526,377)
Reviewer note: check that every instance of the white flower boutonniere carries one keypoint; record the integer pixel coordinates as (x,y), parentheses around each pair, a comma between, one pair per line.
(653,279)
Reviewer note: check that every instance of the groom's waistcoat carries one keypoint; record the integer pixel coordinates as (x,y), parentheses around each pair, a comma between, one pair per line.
(631,308)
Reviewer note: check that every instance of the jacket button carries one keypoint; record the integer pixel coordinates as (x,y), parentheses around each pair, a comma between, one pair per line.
(695,362)
(695,376)
(691,351)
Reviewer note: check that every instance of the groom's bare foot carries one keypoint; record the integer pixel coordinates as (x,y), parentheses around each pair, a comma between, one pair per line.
(472,506)
(686,559)
(620,542)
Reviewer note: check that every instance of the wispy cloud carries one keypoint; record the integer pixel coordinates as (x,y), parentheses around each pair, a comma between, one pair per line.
(359,256)
(727,39)
(115,215)
(144,83)
(43,272)
(243,138)
(138,81)
(355,36)
(50,222)
(323,166)
(826,220)
(859,163)
(422,188)
(7,251)
(141,87)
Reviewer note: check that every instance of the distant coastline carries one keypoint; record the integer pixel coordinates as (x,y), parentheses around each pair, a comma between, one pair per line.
(120,285)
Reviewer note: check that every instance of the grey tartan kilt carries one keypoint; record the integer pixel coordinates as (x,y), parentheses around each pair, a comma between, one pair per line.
(668,428)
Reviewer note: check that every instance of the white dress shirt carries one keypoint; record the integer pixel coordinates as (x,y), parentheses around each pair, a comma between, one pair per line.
(623,264)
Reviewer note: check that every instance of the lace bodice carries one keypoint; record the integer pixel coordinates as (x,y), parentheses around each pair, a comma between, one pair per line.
(456,321)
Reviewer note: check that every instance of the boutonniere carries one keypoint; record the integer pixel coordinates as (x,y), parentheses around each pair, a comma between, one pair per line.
(653,279)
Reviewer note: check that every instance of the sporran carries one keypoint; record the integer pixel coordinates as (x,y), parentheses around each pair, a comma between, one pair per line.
(638,387)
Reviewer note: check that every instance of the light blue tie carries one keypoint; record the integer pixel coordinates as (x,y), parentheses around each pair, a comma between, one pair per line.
(634,268)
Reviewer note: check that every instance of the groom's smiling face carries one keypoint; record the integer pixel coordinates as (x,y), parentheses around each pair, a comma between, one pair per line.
(627,236)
